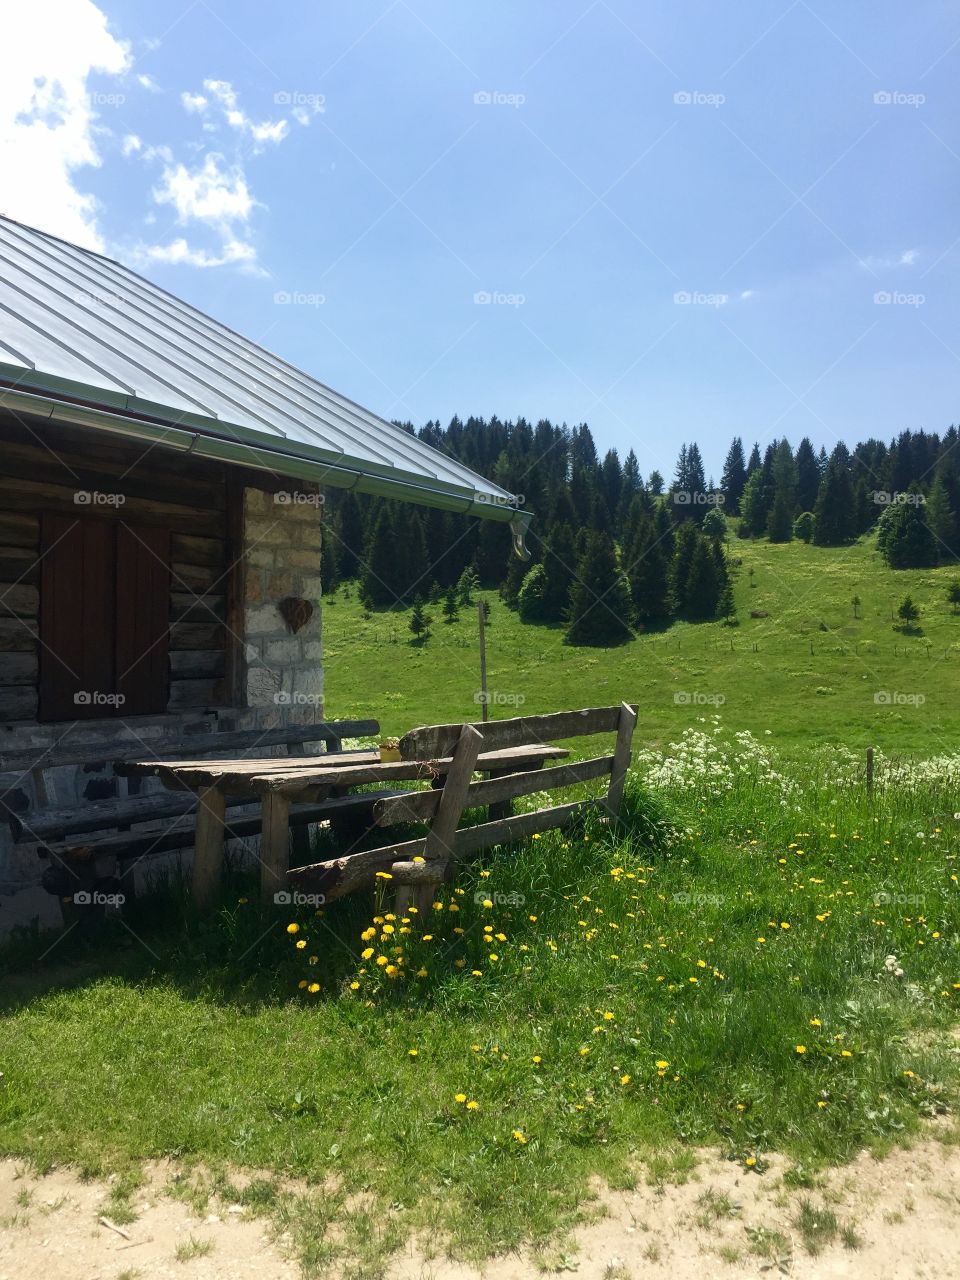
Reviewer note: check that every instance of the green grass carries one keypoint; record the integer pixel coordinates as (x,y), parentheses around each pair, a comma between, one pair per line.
(781,673)
(205,1047)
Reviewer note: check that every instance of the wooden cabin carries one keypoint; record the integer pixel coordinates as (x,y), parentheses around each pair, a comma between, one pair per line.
(161,515)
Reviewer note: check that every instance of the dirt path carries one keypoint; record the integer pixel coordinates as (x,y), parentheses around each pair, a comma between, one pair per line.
(895,1219)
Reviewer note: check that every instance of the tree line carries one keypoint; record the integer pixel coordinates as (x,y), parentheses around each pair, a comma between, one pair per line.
(614,552)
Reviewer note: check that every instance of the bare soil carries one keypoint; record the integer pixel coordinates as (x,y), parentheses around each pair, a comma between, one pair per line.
(901,1215)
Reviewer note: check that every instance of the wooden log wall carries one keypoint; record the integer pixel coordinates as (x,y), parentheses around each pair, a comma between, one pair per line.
(42,467)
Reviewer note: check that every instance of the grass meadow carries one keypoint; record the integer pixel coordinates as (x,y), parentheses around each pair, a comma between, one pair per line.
(762,956)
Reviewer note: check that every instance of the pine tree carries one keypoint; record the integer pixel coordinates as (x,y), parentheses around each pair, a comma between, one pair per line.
(379,566)
(704,584)
(808,475)
(418,622)
(908,613)
(940,516)
(784,506)
(953,595)
(645,565)
(349,535)
(833,511)
(329,576)
(600,608)
(903,537)
(734,477)
(451,610)
(753,512)
(685,544)
(753,462)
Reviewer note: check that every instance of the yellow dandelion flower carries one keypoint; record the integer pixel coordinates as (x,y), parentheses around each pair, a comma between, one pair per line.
(624,1079)
(302,983)
(366,953)
(313,988)
(473,1105)
(293,928)
(354,986)
(801,1048)
(413,1053)
(536,1058)
(459,1097)
(301,945)
(519,1136)
(815,1022)
(421,973)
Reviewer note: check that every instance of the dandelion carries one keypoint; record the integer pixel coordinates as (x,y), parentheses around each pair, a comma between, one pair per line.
(519,1136)
(421,973)
(624,1079)
(661,1064)
(608,1017)
(536,1059)
(750,1161)
(367,953)
(354,986)
(801,1048)
(815,1022)
(459,1097)
(313,988)
(473,1105)
(487,903)
(584,1051)
(301,945)
(413,1053)
(293,928)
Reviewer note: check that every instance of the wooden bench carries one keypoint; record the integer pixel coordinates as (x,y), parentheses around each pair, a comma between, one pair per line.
(441,809)
(88,845)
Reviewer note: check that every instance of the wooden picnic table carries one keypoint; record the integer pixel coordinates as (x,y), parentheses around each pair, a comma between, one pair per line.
(278,783)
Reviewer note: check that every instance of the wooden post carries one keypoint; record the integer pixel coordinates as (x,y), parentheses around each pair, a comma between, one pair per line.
(416,884)
(274,844)
(484,708)
(621,760)
(869,768)
(439,843)
(208,845)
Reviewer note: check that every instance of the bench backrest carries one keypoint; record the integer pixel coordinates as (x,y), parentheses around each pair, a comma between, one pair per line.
(431,742)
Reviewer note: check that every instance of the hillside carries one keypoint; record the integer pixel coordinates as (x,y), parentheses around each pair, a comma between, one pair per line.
(782,672)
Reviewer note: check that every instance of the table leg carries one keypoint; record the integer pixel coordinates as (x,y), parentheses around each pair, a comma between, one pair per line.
(274,844)
(208,845)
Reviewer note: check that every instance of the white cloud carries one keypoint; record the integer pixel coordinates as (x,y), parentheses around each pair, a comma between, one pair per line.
(131,144)
(179,253)
(213,193)
(51,49)
(193,102)
(907,258)
(223,92)
(747,294)
(148,83)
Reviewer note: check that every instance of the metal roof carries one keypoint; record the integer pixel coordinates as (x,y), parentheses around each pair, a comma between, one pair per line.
(85,339)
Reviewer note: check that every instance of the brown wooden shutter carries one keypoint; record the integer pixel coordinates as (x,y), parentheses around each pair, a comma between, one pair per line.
(143,618)
(77,653)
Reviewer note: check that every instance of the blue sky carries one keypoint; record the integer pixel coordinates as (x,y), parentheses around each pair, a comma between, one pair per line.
(683,214)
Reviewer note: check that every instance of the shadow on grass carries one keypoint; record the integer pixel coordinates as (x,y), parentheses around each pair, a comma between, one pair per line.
(239,952)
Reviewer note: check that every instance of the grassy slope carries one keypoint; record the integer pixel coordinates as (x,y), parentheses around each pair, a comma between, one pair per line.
(780,673)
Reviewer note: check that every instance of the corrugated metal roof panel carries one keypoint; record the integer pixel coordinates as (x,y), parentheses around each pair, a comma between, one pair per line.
(73,323)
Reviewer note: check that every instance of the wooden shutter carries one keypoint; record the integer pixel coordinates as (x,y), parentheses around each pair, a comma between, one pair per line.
(143,618)
(77,653)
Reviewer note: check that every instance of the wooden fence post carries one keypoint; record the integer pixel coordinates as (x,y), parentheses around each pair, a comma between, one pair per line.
(439,843)
(869,768)
(621,760)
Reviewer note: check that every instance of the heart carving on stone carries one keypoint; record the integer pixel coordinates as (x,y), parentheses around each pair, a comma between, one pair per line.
(295,612)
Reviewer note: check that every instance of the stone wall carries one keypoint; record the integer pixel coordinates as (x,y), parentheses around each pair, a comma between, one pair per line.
(281,561)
